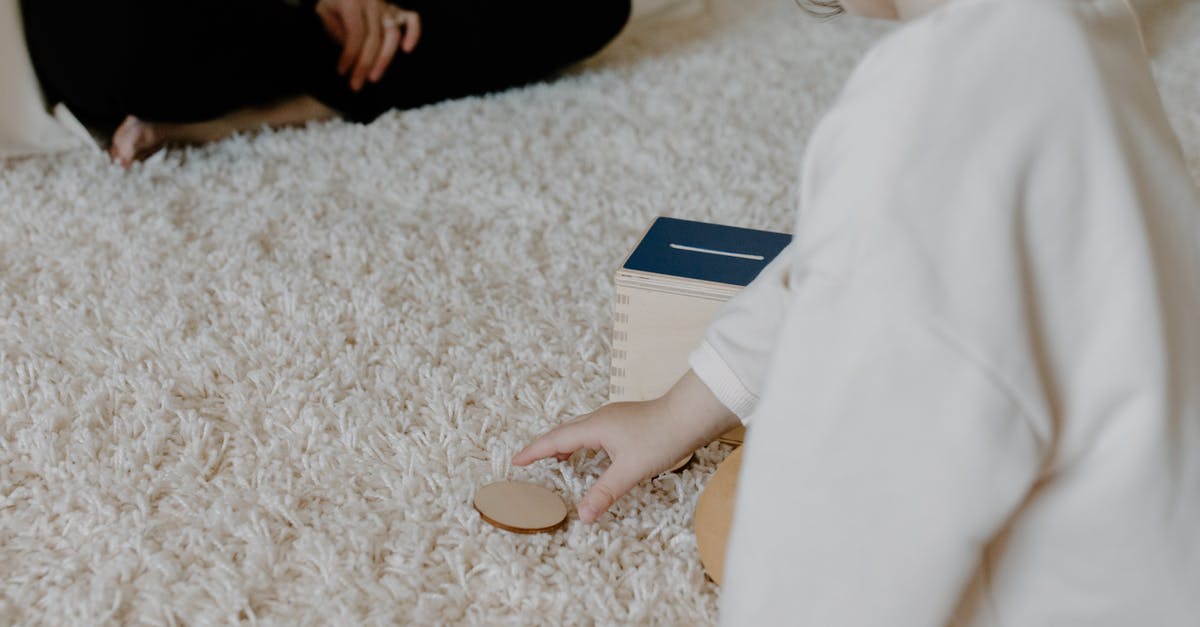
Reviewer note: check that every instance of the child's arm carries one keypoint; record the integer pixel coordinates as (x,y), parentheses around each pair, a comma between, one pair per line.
(642,439)
(646,438)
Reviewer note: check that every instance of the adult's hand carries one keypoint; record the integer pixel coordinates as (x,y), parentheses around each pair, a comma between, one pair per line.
(370,32)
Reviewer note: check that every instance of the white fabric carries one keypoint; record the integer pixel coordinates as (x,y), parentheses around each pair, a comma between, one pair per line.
(26,126)
(981,403)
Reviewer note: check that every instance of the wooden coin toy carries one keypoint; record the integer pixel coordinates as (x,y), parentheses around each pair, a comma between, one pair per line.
(520,507)
(714,516)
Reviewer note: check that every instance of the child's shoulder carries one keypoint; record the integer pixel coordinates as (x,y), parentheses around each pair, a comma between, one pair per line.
(1005,56)
(1028,36)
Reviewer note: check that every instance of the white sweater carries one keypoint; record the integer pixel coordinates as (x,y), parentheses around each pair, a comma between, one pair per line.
(974,378)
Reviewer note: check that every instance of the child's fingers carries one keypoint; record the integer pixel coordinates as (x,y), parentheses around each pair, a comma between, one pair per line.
(559,443)
(612,485)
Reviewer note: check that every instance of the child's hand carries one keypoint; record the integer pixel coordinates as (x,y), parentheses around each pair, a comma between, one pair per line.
(642,439)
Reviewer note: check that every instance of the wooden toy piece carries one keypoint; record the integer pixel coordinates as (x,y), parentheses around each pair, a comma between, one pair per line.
(681,464)
(735,436)
(714,516)
(667,292)
(520,507)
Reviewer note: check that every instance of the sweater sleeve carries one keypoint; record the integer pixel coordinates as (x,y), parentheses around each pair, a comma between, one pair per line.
(877,506)
(732,359)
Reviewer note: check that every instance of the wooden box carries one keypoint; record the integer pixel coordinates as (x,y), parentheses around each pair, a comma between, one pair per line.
(667,292)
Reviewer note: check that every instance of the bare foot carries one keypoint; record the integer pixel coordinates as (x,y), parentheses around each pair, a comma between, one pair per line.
(135,140)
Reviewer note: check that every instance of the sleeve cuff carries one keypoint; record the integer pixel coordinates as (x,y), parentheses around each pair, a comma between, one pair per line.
(707,363)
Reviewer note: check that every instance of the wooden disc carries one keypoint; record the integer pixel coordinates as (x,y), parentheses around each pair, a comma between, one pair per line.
(520,507)
(682,463)
(714,515)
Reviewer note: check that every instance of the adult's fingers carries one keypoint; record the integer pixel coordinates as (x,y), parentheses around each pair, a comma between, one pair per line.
(338,30)
(372,41)
(332,22)
(354,24)
(387,50)
(412,31)
(612,485)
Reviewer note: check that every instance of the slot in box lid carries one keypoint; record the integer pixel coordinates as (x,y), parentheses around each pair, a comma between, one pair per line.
(720,259)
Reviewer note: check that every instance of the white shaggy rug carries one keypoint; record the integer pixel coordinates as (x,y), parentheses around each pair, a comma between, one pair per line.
(260,381)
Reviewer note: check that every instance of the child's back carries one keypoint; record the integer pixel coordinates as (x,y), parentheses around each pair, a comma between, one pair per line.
(987,364)
(975,375)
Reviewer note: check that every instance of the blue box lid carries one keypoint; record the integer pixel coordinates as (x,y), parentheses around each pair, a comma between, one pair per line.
(707,252)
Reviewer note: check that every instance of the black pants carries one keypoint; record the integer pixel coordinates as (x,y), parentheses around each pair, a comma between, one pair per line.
(195,60)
